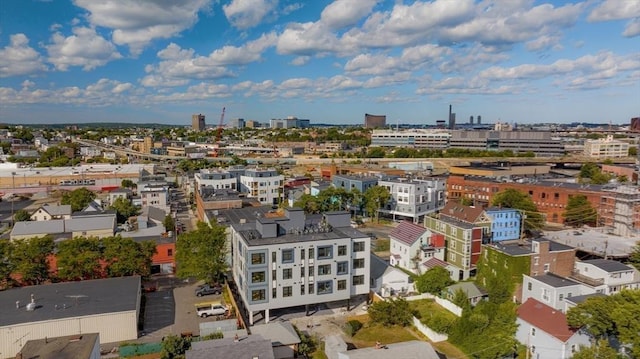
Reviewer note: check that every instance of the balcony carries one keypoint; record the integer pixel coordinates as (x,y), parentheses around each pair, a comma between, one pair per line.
(593,282)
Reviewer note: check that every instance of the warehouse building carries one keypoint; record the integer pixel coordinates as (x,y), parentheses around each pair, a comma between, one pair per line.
(109,307)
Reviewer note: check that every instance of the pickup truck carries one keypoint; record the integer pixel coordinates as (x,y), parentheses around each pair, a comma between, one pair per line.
(207,310)
(207,289)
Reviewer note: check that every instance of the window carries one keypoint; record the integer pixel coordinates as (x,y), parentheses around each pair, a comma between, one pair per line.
(311,286)
(302,272)
(170,252)
(325,287)
(287,256)
(529,286)
(561,298)
(342,284)
(302,254)
(257,258)
(274,293)
(358,279)
(342,250)
(310,253)
(258,294)
(533,332)
(311,271)
(287,273)
(273,257)
(302,289)
(358,263)
(258,277)
(546,267)
(325,252)
(287,291)
(324,269)
(343,267)
(358,247)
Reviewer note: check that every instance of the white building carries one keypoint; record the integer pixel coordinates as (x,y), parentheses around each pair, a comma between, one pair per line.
(545,332)
(266,185)
(414,198)
(48,212)
(109,307)
(606,276)
(294,260)
(406,242)
(552,289)
(411,138)
(388,280)
(219,178)
(156,196)
(606,148)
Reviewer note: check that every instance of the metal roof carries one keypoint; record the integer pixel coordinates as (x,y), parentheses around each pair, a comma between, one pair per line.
(252,346)
(608,265)
(555,281)
(69,299)
(280,333)
(67,347)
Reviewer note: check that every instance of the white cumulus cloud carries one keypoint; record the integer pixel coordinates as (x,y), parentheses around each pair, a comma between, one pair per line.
(84,48)
(244,14)
(18,58)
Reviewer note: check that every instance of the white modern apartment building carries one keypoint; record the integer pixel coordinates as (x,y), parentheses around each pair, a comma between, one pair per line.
(266,185)
(606,276)
(410,138)
(156,196)
(295,260)
(606,148)
(227,178)
(414,198)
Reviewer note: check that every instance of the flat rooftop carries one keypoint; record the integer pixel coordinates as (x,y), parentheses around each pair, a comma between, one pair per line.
(87,170)
(67,347)
(594,241)
(69,299)
(555,280)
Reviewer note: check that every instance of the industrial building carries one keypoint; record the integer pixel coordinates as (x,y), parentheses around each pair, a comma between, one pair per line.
(606,148)
(109,307)
(84,346)
(414,138)
(375,121)
(537,142)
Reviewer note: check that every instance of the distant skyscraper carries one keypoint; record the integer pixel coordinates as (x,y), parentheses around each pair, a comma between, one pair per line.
(479,120)
(471,120)
(197,122)
(375,121)
(635,124)
(452,119)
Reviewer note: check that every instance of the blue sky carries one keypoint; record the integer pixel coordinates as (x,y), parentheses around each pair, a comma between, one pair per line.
(517,61)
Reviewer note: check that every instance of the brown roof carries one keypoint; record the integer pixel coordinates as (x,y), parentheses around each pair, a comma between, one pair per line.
(545,318)
(434,262)
(407,232)
(462,213)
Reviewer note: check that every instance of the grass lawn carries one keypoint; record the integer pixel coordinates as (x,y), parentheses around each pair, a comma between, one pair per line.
(382,245)
(428,306)
(370,333)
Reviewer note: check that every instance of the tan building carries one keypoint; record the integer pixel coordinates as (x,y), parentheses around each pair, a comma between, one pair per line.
(606,148)
(197,122)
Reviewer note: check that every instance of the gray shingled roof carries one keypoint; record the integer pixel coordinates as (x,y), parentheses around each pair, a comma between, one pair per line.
(70,299)
(57,210)
(247,347)
(555,281)
(608,265)
(55,226)
(470,288)
(412,349)
(280,333)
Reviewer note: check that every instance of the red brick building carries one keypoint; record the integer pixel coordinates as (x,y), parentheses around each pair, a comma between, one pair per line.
(551,198)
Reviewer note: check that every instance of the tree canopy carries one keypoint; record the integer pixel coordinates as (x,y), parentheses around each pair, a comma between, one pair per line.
(202,253)
(31,258)
(601,350)
(579,212)
(617,315)
(78,198)
(512,198)
(21,215)
(374,198)
(124,209)
(433,281)
(79,258)
(634,256)
(126,257)
(391,312)
(591,173)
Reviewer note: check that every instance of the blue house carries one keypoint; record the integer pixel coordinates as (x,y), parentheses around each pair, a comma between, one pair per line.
(505,223)
(361,183)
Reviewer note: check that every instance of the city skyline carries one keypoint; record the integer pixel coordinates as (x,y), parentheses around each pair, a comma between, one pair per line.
(160,62)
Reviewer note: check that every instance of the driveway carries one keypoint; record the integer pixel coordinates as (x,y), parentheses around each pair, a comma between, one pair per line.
(186,319)
(159,315)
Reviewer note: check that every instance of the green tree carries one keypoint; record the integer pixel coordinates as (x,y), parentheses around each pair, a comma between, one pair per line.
(466,201)
(78,198)
(433,281)
(6,263)
(308,203)
(127,183)
(601,350)
(169,223)
(391,312)
(374,198)
(124,209)
(591,173)
(31,258)
(21,215)
(174,347)
(376,152)
(125,257)
(633,151)
(512,198)
(579,212)
(617,316)
(79,258)
(202,253)
(634,256)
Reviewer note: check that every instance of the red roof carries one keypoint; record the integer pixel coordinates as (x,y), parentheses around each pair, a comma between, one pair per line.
(407,232)
(462,213)
(545,318)
(434,262)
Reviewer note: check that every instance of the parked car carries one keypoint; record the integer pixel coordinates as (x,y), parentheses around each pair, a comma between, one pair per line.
(207,289)
(211,309)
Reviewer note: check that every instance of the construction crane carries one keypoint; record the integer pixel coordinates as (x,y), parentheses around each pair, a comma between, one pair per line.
(216,152)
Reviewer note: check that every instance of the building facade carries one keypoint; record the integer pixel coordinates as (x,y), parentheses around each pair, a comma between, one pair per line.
(265,185)
(606,276)
(294,261)
(410,138)
(606,148)
(351,182)
(505,223)
(406,243)
(413,198)
(551,289)
(540,143)
(375,121)
(197,122)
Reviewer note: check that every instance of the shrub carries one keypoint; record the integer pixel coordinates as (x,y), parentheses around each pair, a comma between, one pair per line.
(439,322)
(352,327)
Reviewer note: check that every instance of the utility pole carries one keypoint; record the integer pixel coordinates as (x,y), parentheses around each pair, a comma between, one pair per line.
(13,194)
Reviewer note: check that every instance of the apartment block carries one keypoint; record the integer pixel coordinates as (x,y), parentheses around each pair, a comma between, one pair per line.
(606,148)
(265,185)
(298,260)
(552,289)
(413,198)
(606,276)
